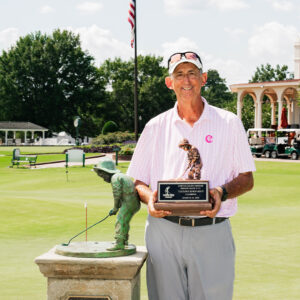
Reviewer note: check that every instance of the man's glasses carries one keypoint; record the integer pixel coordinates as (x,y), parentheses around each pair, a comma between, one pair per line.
(178,56)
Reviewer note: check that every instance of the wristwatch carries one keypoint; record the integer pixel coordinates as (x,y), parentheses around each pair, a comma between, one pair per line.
(224,193)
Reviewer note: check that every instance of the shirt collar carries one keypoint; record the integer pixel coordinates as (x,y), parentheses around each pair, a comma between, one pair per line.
(204,116)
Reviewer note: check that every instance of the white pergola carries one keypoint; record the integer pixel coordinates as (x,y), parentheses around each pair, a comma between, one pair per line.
(280,93)
(24,127)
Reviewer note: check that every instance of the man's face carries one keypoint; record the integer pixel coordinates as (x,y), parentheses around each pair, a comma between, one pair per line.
(186,81)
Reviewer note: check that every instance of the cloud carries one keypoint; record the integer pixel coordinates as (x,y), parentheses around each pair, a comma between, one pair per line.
(89,7)
(229,4)
(179,7)
(232,70)
(8,37)
(46,9)
(283,5)
(182,44)
(234,32)
(272,42)
(101,44)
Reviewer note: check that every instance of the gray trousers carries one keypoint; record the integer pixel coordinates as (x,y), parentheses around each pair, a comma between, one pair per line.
(189,263)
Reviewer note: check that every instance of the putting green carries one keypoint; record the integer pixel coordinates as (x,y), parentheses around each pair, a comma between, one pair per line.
(40,209)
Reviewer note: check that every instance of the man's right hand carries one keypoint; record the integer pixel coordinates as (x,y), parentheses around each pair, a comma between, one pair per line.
(152,211)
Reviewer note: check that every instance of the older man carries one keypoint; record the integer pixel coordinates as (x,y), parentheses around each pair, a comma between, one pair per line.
(192,258)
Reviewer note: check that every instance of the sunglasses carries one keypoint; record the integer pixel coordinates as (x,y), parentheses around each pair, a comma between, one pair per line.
(178,56)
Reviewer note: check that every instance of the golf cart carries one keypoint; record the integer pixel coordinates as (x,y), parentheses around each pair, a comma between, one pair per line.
(261,141)
(287,144)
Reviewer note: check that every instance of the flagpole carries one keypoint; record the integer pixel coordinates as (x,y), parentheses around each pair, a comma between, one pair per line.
(135,79)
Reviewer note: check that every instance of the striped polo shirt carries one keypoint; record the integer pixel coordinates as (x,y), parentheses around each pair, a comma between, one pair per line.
(219,136)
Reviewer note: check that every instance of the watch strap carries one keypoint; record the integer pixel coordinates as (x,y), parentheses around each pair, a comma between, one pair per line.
(224,193)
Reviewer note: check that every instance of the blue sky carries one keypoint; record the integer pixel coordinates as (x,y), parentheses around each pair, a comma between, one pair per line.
(232,36)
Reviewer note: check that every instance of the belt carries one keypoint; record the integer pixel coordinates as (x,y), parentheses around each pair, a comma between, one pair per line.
(186,221)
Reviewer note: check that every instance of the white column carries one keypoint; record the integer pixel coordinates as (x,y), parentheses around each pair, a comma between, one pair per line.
(279,93)
(279,111)
(14,135)
(259,114)
(258,110)
(6,137)
(25,137)
(297,59)
(273,113)
(32,134)
(239,104)
(255,114)
(290,121)
(293,111)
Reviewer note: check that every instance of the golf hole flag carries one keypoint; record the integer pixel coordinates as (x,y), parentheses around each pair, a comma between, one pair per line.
(131,19)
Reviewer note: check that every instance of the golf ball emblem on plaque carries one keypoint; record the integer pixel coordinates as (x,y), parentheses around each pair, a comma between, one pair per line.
(185,197)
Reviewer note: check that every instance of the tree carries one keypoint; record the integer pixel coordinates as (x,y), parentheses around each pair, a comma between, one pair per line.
(268,73)
(215,90)
(153,96)
(48,80)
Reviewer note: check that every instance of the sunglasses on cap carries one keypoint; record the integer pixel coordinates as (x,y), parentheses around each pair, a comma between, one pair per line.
(190,56)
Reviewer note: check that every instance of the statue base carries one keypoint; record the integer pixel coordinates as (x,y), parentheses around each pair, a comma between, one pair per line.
(93,250)
(74,278)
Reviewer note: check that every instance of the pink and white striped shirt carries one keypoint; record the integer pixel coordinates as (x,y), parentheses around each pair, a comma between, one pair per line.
(219,136)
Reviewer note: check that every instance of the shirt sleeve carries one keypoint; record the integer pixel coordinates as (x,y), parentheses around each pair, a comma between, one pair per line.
(243,159)
(140,165)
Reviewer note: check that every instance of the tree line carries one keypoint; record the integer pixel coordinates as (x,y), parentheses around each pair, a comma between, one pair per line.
(48,79)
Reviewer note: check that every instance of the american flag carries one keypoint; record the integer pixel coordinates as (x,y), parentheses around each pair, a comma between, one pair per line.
(131,19)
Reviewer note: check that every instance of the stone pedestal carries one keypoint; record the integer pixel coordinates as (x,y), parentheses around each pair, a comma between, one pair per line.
(72,278)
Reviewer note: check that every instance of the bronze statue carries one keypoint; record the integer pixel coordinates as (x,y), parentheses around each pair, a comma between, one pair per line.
(125,198)
(194,159)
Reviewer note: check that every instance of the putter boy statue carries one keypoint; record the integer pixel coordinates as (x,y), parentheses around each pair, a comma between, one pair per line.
(125,198)
(194,159)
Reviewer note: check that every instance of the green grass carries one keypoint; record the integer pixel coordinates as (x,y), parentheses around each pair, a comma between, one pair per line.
(7,150)
(40,209)
(45,154)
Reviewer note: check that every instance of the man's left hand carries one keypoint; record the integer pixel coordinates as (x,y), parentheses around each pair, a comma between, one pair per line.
(216,202)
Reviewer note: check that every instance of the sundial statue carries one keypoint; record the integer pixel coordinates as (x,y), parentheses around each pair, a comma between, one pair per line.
(126,204)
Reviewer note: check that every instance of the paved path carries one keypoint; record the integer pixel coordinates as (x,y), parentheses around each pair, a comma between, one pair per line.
(94,161)
(288,160)
(88,161)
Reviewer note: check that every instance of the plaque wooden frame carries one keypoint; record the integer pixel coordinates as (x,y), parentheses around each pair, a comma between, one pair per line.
(186,198)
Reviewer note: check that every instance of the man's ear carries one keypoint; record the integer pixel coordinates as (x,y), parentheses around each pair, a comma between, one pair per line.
(204,78)
(168,82)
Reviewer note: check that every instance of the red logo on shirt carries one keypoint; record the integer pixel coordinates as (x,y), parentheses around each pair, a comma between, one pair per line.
(209,139)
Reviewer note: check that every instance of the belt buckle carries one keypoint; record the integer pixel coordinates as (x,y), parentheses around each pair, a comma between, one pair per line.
(192,219)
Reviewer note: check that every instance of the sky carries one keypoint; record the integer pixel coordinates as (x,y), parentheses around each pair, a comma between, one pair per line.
(231,36)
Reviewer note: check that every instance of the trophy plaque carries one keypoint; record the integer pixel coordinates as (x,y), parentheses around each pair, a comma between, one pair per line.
(183,197)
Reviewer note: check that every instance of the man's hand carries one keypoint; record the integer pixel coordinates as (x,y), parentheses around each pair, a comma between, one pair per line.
(152,211)
(215,196)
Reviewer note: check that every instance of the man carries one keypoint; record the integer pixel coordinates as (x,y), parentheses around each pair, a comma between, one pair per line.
(125,198)
(192,258)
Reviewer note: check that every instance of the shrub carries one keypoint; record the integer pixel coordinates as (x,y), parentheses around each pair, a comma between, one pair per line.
(112,138)
(126,150)
(108,127)
(94,149)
